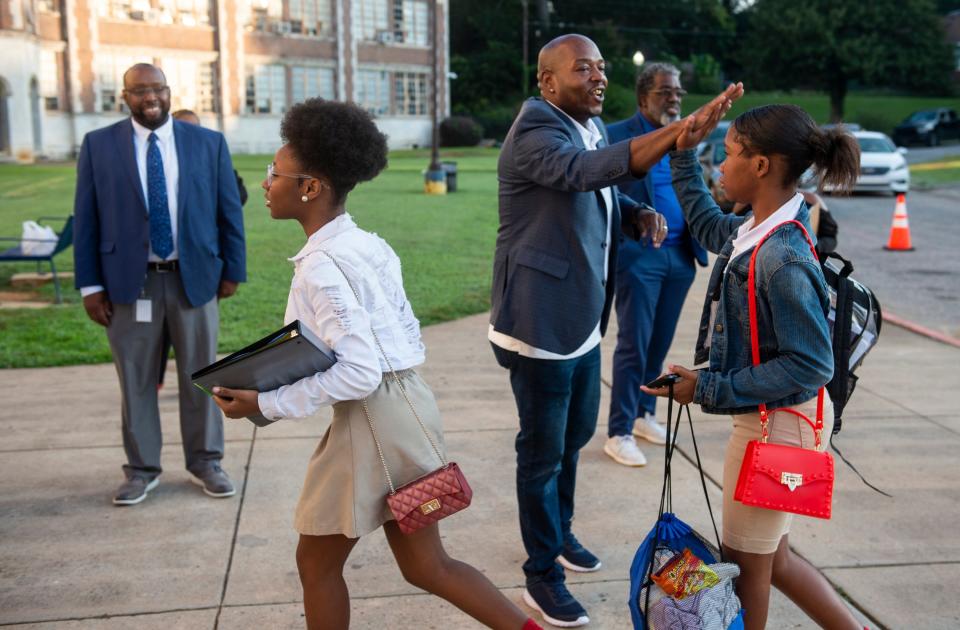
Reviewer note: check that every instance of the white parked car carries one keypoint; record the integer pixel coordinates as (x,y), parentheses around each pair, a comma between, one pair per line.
(882,165)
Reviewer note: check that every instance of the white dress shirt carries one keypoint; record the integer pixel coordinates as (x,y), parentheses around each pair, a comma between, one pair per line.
(171,172)
(749,234)
(591,137)
(321,298)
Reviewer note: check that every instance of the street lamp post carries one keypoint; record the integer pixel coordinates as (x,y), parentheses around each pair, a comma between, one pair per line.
(435,181)
(526,49)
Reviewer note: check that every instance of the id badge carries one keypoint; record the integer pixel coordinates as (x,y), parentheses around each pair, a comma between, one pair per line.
(144,311)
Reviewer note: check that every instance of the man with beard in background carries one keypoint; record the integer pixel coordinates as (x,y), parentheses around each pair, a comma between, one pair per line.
(651,282)
(158,242)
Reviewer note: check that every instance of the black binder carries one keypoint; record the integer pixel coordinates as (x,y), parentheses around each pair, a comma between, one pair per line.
(281,358)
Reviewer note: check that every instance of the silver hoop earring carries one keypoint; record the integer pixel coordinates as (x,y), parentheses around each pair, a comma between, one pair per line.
(304,199)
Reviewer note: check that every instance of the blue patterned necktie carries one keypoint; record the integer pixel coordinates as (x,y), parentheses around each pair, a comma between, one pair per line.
(161,234)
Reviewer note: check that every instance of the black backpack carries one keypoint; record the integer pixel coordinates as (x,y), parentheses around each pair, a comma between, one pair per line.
(855,319)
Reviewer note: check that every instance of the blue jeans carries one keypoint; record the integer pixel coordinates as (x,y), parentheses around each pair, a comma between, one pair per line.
(558,403)
(652,285)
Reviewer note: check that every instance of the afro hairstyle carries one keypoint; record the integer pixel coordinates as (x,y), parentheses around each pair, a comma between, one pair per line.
(337,140)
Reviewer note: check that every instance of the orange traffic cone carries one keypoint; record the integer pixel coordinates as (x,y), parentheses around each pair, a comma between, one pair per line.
(900,230)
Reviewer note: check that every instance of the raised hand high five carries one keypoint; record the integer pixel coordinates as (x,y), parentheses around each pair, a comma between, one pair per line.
(700,123)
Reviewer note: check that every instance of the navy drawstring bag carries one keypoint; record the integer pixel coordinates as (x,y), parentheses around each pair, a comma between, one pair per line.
(670,535)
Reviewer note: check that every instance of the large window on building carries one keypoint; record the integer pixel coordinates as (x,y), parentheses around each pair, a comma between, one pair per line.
(411,22)
(49,80)
(373,20)
(310,81)
(265,15)
(207,94)
(166,12)
(373,91)
(410,94)
(110,69)
(393,93)
(192,84)
(310,17)
(266,89)
(16,14)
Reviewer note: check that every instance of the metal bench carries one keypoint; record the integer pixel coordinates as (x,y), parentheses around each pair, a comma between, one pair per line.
(64,240)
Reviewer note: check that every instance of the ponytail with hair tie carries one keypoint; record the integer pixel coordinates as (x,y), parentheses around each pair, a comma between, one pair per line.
(837,158)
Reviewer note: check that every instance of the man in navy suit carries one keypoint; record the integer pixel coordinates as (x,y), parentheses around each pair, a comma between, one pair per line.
(651,283)
(561,218)
(158,241)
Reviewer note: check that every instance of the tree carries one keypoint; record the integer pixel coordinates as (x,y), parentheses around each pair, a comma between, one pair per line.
(827,44)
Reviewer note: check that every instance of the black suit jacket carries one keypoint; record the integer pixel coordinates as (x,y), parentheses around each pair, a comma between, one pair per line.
(548,281)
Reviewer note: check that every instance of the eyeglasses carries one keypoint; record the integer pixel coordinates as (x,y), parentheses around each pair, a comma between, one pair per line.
(664,92)
(143,91)
(271,173)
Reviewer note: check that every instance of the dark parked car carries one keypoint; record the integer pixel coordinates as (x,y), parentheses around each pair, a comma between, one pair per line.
(928,126)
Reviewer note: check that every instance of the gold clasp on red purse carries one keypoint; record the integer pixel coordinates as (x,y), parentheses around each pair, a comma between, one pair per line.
(430,506)
(791,480)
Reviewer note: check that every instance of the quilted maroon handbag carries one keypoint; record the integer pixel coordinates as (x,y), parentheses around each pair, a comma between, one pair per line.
(433,496)
(428,499)
(778,476)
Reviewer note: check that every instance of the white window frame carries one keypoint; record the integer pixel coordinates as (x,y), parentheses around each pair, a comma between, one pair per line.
(411,90)
(50,80)
(374,90)
(373,20)
(275,92)
(308,81)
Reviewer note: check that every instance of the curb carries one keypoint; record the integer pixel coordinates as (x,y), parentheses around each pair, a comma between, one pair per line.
(921,330)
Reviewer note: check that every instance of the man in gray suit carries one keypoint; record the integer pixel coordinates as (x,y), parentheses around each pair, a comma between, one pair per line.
(561,218)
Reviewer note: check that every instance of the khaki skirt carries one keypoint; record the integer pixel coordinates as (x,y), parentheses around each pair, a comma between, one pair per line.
(345,490)
(753,529)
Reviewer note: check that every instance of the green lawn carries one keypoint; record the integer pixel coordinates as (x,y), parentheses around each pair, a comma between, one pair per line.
(873,112)
(938,173)
(445,242)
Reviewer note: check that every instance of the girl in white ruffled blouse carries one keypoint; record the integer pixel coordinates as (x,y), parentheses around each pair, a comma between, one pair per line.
(330,147)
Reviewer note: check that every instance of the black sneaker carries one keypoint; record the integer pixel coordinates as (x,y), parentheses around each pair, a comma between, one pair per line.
(556,604)
(576,558)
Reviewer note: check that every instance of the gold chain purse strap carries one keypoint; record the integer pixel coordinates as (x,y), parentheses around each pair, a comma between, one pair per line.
(403,390)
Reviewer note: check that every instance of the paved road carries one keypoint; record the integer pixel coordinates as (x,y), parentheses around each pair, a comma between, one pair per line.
(916,155)
(922,285)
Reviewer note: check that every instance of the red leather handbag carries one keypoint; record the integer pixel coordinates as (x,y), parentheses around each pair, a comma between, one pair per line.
(430,498)
(778,476)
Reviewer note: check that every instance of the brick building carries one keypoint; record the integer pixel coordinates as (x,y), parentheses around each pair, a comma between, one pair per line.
(237,63)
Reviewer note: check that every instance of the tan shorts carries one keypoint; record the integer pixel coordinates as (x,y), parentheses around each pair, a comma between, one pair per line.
(758,530)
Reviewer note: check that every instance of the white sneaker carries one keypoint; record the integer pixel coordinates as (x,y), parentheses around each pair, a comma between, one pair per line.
(649,429)
(623,449)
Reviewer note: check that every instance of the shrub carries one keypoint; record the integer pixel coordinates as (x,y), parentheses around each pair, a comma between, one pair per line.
(460,131)
(497,119)
(619,103)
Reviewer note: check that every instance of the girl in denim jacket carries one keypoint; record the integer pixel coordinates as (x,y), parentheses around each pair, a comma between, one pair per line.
(768,148)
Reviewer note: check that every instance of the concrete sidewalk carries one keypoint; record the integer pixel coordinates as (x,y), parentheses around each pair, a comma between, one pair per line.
(69,559)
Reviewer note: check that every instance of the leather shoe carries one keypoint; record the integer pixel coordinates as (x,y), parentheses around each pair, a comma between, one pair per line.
(214,481)
(134,490)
